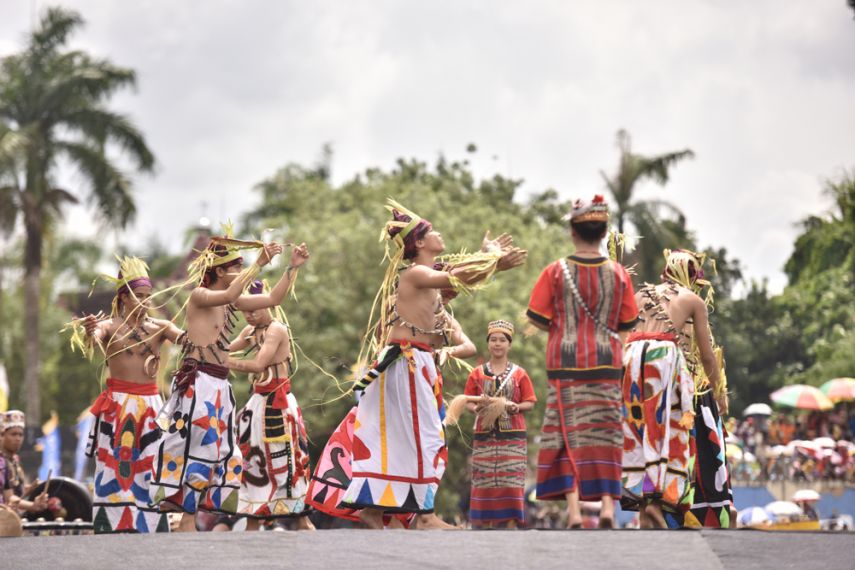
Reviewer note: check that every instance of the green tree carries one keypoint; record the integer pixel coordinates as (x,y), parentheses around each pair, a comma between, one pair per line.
(341,225)
(53,107)
(659,223)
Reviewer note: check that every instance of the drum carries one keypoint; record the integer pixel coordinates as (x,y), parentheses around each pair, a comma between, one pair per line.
(74,497)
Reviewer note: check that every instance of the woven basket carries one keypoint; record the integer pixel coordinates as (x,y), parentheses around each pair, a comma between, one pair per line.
(10,522)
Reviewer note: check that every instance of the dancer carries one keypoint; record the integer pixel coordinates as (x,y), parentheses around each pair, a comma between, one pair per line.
(658,394)
(334,470)
(399,449)
(270,431)
(198,464)
(586,302)
(678,307)
(499,452)
(123,437)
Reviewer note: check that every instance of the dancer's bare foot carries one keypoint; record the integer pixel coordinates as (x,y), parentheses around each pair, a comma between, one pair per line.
(574,510)
(607,513)
(372,518)
(430,521)
(395,523)
(655,516)
(187,524)
(303,523)
(252,524)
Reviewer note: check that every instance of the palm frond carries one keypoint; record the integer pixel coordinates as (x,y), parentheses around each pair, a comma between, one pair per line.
(100,124)
(55,27)
(78,83)
(657,167)
(111,189)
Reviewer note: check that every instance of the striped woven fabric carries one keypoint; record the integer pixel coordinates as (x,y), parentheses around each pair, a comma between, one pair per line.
(498,477)
(585,417)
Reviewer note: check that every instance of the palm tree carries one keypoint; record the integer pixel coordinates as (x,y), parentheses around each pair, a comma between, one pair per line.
(658,222)
(52,109)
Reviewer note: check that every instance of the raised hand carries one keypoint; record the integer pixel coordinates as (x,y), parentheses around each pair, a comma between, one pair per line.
(268,253)
(299,255)
(513,257)
(90,323)
(502,243)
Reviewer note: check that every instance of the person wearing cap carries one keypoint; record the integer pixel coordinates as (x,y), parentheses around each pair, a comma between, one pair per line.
(499,449)
(123,437)
(12,424)
(586,303)
(198,464)
(270,431)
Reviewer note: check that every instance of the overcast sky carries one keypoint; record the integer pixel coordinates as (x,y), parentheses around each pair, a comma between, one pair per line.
(762,91)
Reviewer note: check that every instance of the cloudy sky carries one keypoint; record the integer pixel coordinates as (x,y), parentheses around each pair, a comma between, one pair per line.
(762,91)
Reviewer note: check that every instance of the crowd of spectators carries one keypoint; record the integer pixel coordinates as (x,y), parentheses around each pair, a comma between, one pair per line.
(806,446)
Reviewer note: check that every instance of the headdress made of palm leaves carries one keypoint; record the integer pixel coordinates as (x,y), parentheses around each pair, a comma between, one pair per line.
(686,268)
(221,250)
(481,264)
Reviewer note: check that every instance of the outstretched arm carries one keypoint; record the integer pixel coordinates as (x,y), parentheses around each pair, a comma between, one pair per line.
(299,256)
(168,329)
(275,336)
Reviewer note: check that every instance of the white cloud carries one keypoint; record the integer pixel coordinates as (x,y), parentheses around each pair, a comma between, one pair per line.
(229,91)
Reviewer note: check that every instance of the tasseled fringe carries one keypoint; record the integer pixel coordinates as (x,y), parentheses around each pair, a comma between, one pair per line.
(488,416)
(480,265)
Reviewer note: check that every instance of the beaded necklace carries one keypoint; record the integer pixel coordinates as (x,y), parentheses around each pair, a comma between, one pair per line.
(568,277)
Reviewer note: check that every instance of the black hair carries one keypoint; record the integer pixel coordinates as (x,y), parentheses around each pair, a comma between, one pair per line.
(590,232)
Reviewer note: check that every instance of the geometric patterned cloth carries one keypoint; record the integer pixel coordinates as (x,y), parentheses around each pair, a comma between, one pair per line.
(712,497)
(198,465)
(499,462)
(585,417)
(333,472)
(657,390)
(399,451)
(273,443)
(123,439)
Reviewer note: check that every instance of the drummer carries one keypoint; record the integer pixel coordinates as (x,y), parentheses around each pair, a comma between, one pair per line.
(11,439)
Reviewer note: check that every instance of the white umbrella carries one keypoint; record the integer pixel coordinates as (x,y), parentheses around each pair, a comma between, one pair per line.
(825,442)
(733,440)
(803,495)
(752,516)
(783,508)
(779,450)
(758,409)
(803,444)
